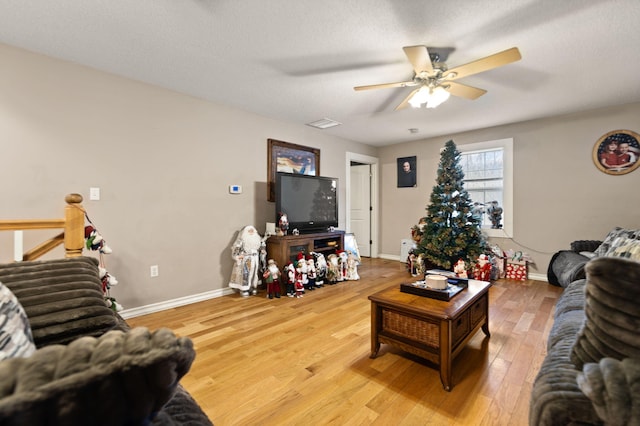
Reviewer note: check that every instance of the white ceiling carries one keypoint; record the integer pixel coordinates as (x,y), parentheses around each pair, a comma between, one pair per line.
(298,60)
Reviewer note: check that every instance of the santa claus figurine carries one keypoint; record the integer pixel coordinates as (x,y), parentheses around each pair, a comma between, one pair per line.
(311,272)
(342,261)
(290,278)
(352,267)
(300,276)
(321,268)
(302,270)
(460,268)
(334,274)
(272,278)
(482,268)
(246,254)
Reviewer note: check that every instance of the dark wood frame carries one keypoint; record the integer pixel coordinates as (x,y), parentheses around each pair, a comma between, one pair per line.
(279,149)
(618,135)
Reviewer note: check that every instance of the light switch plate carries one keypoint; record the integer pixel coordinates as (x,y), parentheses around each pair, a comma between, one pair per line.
(94,194)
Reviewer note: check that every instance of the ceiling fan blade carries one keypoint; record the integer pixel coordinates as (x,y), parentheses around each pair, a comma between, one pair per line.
(462,90)
(419,58)
(405,102)
(493,61)
(386,85)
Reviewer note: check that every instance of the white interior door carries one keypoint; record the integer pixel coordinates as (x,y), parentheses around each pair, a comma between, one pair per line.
(361,207)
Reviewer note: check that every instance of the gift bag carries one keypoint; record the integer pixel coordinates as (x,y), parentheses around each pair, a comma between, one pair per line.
(517,268)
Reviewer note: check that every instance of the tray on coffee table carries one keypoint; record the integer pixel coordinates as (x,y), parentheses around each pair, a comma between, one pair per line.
(420,288)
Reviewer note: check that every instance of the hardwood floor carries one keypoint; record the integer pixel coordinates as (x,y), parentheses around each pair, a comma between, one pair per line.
(306,361)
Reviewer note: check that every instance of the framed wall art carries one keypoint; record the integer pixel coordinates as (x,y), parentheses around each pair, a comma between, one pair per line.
(407,172)
(289,158)
(617,152)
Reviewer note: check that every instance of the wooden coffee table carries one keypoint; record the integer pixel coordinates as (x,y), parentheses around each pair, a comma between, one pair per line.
(433,329)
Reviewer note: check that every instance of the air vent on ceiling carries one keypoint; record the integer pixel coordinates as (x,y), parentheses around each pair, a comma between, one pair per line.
(325,123)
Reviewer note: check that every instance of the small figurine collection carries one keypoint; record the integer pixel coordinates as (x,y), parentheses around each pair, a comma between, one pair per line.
(489,266)
(308,272)
(94,241)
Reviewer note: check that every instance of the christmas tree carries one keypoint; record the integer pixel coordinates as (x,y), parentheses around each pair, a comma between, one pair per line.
(449,231)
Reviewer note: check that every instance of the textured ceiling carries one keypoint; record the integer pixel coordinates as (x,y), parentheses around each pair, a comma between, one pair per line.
(298,60)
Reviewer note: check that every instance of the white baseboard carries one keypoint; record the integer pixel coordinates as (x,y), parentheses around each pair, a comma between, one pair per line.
(390,257)
(174,303)
(538,277)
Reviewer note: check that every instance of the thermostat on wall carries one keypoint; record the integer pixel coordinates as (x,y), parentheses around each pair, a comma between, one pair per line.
(235,189)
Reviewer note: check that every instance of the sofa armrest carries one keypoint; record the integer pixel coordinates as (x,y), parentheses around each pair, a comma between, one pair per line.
(585,245)
(118,378)
(62,298)
(565,267)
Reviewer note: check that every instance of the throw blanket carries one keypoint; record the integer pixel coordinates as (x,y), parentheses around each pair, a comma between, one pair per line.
(120,378)
(614,389)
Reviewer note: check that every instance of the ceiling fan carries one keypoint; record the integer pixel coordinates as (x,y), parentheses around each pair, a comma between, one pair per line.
(436,82)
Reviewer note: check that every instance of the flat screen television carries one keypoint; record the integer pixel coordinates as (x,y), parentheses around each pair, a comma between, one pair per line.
(310,202)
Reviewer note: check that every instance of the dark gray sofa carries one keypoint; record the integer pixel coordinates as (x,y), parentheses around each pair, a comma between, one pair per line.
(591,373)
(89,366)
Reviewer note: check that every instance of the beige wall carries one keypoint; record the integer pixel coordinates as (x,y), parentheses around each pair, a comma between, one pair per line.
(163,162)
(560,196)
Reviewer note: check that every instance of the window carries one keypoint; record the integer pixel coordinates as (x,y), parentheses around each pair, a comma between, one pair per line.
(483,178)
(488,177)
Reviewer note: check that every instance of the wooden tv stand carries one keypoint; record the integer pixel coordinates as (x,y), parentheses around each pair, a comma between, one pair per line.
(286,248)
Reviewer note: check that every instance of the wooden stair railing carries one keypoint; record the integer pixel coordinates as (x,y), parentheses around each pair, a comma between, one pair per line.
(72,225)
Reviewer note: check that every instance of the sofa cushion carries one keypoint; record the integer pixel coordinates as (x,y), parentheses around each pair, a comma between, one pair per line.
(556,398)
(617,237)
(62,298)
(15,333)
(613,387)
(612,311)
(117,379)
(571,299)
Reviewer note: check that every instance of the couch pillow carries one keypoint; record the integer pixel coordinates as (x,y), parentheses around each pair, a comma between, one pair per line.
(117,379)
(612,311)
(15,332)
(62,298)
(628,250)
(617,236)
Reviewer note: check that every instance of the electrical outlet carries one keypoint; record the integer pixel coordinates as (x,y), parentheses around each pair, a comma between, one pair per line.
(154,272)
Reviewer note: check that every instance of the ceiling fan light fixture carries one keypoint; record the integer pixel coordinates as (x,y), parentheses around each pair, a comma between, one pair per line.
(420,97)
(435,79)
(430,97)
(438,96)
